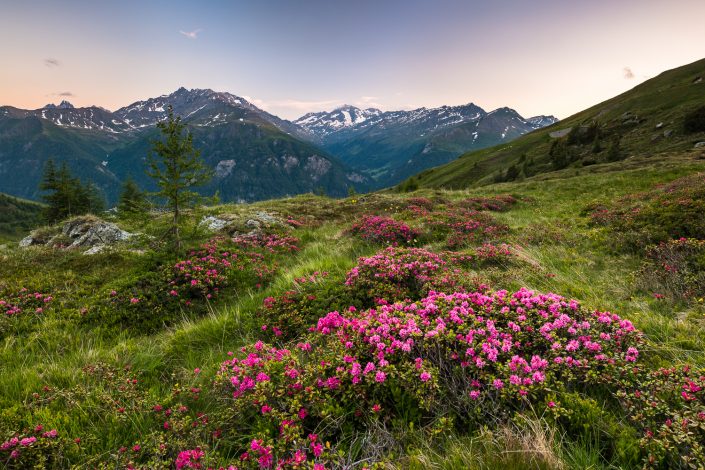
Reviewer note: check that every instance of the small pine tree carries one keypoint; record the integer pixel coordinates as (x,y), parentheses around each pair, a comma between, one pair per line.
(133,201)
(176,166)
(66,196)
(512,173)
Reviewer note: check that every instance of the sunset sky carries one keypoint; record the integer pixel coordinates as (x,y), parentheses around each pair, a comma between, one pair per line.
(292,57)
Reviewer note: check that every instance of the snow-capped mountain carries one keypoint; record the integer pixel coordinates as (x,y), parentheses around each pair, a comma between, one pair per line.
(537,122)
(326,122)
(350,119)
(393,145)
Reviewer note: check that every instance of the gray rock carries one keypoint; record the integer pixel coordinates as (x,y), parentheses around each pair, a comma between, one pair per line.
(560,133)
(214,224)
(28,241)
(659,125)
(668,132)
(700,145)
(267,218)
(96,249)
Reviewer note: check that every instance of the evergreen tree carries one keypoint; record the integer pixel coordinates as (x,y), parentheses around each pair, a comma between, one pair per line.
(177,167)
(512,173)
(132,200)
(66,196)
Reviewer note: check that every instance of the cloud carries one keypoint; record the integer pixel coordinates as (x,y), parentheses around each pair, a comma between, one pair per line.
(304,105)
(51,62)
(368,102)
(64,93)
(191,34)
(628,74)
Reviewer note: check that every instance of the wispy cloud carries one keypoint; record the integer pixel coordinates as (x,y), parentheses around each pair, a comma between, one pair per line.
(191,34)
(50,62)
(64,93)
(628,74)
(304,105)
(368,102)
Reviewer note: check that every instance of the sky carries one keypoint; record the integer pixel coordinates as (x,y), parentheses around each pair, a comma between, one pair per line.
(293,57)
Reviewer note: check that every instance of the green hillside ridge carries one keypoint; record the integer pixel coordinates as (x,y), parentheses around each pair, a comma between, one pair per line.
(646,120)
(18,216)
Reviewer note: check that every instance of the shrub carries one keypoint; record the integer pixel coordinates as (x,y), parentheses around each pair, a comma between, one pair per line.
(395,274)
(675,268)
(381,229)
(668,408)
(668,211)
(499,203)
(466,358)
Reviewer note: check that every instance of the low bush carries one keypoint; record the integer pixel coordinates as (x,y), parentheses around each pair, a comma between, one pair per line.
(675,268)
(385,230)
(448,360)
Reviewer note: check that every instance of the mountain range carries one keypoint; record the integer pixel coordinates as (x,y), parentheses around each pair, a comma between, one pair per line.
(255,154)
(390,146)
(623,132)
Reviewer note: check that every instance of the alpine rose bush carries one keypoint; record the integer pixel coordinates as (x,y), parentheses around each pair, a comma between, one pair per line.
(675,267)
(406,273)
(468,357)
(381,229)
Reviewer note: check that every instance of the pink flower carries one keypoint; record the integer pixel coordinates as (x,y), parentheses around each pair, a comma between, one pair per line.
(134,300)
(380,376)
(425,376)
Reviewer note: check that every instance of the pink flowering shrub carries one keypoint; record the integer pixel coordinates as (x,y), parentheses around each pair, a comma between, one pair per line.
(675,267)
(667,406)
(220,264)
(474,357)
(406,273)
(20,309)
(493,254)
(24,302)
(35,448)
(668,211)
(291,313)
(461,227)
(381,229)
(499,203)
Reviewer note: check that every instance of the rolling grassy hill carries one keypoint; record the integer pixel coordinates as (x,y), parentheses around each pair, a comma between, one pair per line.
(122,367)
(646,120)
(18,216)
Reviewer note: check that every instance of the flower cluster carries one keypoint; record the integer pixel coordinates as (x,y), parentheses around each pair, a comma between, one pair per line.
(481,355)
(668,407)
(665,212)
(29,449)
(461,227)
(675,267)
(499,203)
(24,301)
(272,242)
(381,229)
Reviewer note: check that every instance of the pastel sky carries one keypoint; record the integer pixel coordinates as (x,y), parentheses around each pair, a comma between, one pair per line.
(291,57)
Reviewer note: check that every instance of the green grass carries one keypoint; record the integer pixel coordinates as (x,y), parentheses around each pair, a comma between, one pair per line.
(18,216)
(558,251)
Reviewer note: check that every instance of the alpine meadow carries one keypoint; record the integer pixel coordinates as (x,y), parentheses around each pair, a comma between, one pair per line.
(359,267)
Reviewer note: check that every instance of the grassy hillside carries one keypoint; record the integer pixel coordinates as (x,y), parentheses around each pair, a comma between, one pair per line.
(134,364)
(647,120)
(18,217)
